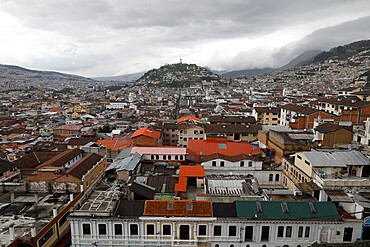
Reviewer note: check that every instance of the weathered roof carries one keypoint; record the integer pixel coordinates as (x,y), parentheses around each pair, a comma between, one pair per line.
(81,141)
(179,208)
(115,144)
(286,209)
(143,190)
(130,208)
(336,158)
(224,210)
(231,119)
(61,158)
(81,167)
(307,186)
(34,159)
(6,165)
(330,127)
(127,164)
(300,109)
(338,196)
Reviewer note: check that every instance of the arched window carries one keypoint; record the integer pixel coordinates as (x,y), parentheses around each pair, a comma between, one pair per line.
(157,157)
(231,245)
(164,157)
(152,156)
(176,157)
(217,245)
(169,157)
(271,177)
(181,157)
(277,177)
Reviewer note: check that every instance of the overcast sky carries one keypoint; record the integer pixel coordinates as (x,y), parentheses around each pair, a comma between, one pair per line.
(113,37)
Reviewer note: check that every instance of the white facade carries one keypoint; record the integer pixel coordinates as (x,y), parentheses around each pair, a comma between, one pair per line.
(242,168)
(219,232)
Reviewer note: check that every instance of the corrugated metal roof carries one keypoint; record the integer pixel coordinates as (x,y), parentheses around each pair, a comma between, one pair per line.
(301,136)
(159,150)
(127,164)
(336,158)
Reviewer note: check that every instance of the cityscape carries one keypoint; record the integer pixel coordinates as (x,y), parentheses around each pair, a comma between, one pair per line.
(176,150)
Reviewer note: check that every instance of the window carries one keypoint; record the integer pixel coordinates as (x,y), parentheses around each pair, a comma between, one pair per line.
(201,132)
(307,232)
(202,230)
(222,163)
(299,157)
(280,232)
(241,163)
(157,157)
(248,233)
(300,231)
(288,232)
(265,233)
(102,229)
(232,230)
(86,230)
(150,229)
(271,177)
(214,163)
(250,163)
(169,157)
(118,230)
(189,207)
(181,157)
(164,157)
(277,177)
(134,229)
(308,163)
(169,206)
(152,156)
(176,157)
(195,132)
(166,230)
(217,230)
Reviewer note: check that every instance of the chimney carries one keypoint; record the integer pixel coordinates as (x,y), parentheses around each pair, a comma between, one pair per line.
(11,231)
(36,198)
(33,231)
(12,196)
(55,212)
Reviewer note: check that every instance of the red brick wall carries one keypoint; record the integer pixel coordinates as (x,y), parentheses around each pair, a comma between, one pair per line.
(307,122)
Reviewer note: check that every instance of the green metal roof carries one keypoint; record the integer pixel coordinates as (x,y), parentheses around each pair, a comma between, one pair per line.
(286,209)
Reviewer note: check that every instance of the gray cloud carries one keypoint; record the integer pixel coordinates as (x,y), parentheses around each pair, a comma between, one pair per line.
(110,37)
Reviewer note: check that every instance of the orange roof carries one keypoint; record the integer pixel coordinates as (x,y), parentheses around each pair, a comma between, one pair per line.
(115,144)
(179,208)
(207,147)
(187,171)
(182,185)
(147,132)
(188,118)
(192,171)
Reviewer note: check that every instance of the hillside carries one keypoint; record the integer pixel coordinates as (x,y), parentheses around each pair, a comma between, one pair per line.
(247,72)
(15,75)
(178,75)
(342,52)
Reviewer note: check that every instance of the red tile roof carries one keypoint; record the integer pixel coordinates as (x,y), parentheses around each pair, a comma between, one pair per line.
(179,208)
(147,132)
(188,118)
